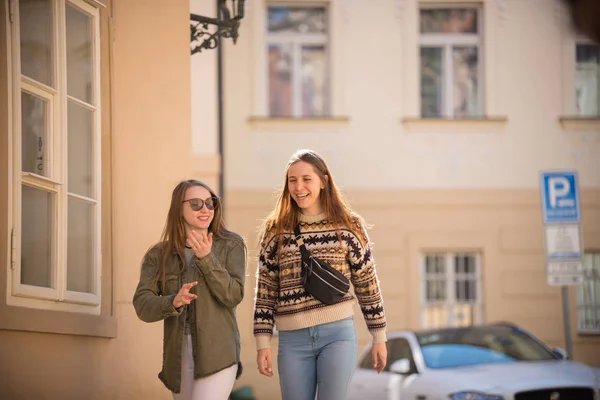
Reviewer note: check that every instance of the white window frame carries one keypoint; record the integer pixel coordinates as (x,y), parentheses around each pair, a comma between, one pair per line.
(57,298)
(447,41)
(581,40)
(450,276)
(297,40)
(590,284)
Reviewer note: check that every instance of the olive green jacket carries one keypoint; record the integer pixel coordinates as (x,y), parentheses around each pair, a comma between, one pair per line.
(220,288)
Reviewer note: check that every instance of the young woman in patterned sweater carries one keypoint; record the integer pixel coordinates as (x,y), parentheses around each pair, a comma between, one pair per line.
(317,342)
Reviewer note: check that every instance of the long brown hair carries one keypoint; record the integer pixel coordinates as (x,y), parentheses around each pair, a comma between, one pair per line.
(173,236)
(285,215)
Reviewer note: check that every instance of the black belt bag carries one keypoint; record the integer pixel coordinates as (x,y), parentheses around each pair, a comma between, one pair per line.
(321,280)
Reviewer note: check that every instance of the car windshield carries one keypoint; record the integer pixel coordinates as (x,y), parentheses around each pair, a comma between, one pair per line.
(479,345)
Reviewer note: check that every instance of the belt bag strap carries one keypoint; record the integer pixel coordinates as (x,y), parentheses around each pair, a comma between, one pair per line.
(300,241)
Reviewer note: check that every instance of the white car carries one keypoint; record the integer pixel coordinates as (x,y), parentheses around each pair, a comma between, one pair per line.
(486,362)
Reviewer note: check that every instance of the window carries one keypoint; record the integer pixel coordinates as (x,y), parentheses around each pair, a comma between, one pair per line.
(587,79)
(56,154)
(456,348)
(588,295)
(451,73)
(297,62)
(451,290)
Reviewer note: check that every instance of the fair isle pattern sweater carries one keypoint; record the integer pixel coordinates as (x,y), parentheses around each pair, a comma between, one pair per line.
(280,297)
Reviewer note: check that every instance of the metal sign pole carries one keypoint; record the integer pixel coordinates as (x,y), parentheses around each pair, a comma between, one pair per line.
(567,322)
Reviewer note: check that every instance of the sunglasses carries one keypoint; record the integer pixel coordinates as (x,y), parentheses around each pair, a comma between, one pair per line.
(197,204)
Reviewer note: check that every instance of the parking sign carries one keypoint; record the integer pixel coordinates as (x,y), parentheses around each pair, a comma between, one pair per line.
(562,227)
(560,197)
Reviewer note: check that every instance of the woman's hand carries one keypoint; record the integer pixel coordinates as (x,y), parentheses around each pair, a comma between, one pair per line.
(184,296)
(379,353)
(201,243)
(263,359)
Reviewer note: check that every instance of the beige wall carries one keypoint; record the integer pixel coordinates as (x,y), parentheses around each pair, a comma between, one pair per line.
(146,139)
(204,91)
(151,141)
(379,143)
(503,225)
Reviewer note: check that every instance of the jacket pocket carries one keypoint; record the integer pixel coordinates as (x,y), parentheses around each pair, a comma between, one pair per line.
(172,284)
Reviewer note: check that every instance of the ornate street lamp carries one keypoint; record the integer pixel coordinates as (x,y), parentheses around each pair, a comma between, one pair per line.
(227,26)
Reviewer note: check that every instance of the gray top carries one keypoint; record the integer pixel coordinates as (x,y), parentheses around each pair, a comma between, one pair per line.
(187,328)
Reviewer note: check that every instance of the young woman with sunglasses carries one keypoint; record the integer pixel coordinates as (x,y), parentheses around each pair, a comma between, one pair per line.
(192,280)
(317,342)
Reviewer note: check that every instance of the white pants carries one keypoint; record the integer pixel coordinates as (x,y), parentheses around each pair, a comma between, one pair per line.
(217,386)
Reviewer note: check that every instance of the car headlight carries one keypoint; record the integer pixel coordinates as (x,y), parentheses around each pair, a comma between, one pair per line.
(474,396)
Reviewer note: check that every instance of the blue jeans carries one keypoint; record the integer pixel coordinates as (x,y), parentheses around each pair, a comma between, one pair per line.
(320,358)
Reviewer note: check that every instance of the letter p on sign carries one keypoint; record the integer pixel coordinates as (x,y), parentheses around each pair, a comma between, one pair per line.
(558,186)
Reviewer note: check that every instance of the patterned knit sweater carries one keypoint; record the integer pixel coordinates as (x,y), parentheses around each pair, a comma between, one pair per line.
(280,297)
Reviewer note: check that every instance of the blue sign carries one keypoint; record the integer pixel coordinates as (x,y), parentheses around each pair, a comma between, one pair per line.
(560,196)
